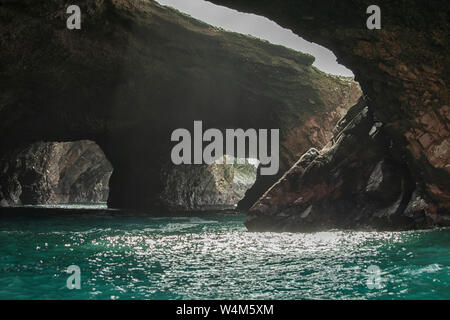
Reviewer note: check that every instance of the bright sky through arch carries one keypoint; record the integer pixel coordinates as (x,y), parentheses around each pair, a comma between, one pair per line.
(259,27)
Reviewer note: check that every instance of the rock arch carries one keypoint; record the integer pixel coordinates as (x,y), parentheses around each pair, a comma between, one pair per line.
(136,71)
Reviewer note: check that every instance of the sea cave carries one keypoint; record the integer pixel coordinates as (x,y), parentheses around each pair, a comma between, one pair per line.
(87,114)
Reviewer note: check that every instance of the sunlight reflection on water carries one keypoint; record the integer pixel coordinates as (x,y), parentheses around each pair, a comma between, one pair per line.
(214,257)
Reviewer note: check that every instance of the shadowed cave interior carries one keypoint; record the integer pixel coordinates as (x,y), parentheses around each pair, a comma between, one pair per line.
(262,86)
(346,161)
(91,197)
(68,173)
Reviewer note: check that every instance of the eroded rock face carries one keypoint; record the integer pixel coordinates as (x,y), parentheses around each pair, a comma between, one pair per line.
(203,187)
(54,172)
(359,181)
(136,71)
(404,70)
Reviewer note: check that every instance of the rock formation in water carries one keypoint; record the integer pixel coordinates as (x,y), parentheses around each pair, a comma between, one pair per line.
(136,71)
(358,181)
(54,172)
(399,178)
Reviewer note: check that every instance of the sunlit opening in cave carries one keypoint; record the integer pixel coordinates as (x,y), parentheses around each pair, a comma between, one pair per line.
(219,186)
(61,174)
(259,27)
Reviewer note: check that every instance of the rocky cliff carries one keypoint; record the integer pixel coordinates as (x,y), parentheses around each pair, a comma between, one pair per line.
(54,172)
(358,181)
(404,71)
(136,71)
(208,187)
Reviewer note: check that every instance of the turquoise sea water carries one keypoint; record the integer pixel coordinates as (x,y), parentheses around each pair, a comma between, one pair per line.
(213,257)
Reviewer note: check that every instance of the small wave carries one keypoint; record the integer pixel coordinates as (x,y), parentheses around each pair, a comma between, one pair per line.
(428,269)
(174,227)
(100,205)
(201,221)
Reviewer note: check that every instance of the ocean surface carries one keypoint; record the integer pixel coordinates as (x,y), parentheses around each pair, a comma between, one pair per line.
(212,256)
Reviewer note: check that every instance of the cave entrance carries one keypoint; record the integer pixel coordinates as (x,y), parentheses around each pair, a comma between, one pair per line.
(336,91)
(219,186)
(55,173)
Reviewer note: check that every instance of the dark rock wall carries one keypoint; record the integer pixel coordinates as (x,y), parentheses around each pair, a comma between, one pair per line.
(359,181)
(54,172)
(404,70)
(136,71)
